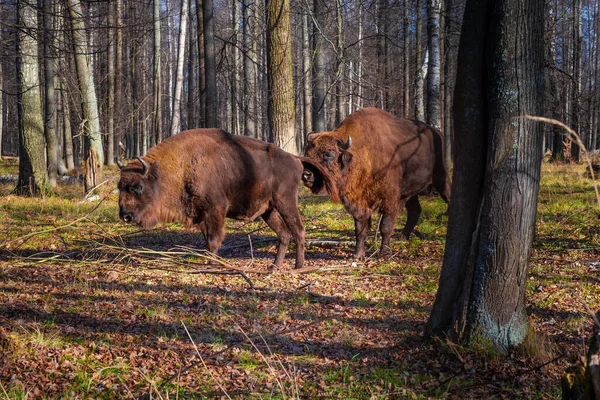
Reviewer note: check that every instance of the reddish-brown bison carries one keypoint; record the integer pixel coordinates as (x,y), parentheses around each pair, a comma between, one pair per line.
(200,177)
(374,160)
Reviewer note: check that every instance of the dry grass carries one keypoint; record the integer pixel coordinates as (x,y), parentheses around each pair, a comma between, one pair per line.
(93,308)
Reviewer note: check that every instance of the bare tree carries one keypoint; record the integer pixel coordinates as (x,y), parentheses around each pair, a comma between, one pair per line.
(576,84)
(318,72)
(306,69)
(50,73)
(211,101)
(433,70)
(421,63)
(250,60)
(279,63)
(33,178)
(157,71)
(91,119)
(176,117)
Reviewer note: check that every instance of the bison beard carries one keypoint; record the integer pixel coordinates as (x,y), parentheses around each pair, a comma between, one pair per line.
(375,161)
(200,177)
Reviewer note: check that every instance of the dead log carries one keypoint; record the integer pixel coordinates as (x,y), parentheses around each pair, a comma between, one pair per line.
(582,381)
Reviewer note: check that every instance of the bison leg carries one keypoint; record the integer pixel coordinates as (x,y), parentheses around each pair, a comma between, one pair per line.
(274,220)
(361,230)
(388,222)
(215,230)
(291,217)
(413,212)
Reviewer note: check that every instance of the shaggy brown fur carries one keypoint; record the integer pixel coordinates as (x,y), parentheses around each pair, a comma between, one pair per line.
(202,176)
(377,161)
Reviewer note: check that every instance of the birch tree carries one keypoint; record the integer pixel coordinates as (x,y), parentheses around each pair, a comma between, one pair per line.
(176,117)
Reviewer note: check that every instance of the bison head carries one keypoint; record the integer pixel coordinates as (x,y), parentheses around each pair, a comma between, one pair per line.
(327,160)
(138,190)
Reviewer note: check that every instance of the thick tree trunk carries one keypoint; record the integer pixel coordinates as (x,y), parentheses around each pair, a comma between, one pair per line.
(236,66)
(118,134)
(33,179)
(210,65)
(91,119)
(201,69)
(318,72)
(497,171)
(249,70)
(279,63)
(433,76)
(176,117)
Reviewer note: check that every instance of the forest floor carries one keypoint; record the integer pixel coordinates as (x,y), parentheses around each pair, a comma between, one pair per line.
(93,308)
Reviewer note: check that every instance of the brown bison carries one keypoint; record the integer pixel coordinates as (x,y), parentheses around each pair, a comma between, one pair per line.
(200,177)
(374,160)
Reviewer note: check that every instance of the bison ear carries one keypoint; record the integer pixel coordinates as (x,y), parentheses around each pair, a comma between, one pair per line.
(345,159)
(154,171)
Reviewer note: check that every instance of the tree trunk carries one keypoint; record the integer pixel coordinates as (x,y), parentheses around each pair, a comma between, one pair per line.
(433,75)
(249,70)
(280,78)
(450,35)
(339,109)
(176,117)
(157,72)
(420,64)
(576,84)
(91,119)
(50,74)
(552,89)
(406,59)
(497,170)
(33,179)
(318,72)
(306,70)
(110,107)
(210,64)
(67,135)
(420,87)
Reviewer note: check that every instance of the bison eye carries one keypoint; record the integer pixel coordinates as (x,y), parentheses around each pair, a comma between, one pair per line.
(328,156)
(137,188)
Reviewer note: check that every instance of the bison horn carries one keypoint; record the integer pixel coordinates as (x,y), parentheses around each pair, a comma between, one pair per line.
(120,163)
(144,165)
(346,146)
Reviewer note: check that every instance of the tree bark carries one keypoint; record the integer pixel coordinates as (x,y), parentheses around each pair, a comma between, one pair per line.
(91,119)
(249,70)
(450,35)
(497,171)
(210,65)
(110,107)
(406,59)
(420,65)
(33,178)
(433,75)
(306,69)
(339,109)
(176,117)
(576,84)
(280,78)
(318,72)
(50,74)
(157,71)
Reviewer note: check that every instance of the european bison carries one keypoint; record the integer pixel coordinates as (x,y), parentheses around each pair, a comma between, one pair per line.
(200,177)
(374,160)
